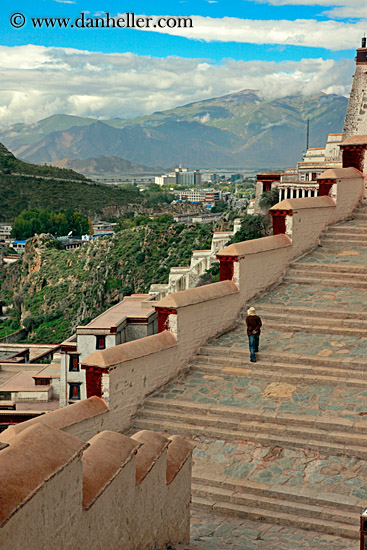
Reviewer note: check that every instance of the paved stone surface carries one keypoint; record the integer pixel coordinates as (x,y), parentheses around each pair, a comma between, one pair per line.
(215,532)
(277,466)
(302,343)
(245,393)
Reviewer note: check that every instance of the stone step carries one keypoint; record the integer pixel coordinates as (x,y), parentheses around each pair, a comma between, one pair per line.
(273,357)
(268,315)
(330,268)
(301,495)
(262,417)
(346,230)
(329,281)
(330,243)
(343,236)
(290,374)
(267,434)
(276,517)
(289,506)
(303,325)
(320,274)
(323,313)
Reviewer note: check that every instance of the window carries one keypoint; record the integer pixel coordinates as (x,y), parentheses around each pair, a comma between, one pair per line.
(73,363)
(74,391)
(42,381)
(101,342)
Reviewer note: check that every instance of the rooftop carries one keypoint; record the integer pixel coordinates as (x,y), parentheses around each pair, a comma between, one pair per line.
(22,381)
(355,140)
(131,306)
(341,173)
(49,371)
(307,202)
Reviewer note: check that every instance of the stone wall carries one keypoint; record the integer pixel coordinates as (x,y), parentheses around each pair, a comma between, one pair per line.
(355,122)
(112,492)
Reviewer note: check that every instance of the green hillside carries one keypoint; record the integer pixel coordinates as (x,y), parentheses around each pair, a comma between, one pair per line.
(9,165)
(26,186)
(54,290)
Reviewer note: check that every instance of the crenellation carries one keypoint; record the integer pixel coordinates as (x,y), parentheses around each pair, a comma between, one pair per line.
(112,483)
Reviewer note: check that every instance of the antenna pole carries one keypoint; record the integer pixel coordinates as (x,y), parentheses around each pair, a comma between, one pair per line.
(308,134)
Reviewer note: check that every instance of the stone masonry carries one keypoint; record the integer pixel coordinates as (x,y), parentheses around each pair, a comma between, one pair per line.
(355,119)
(281,445)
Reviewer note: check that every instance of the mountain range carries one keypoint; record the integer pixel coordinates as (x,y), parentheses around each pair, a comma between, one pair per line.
(237,130)
(104,165)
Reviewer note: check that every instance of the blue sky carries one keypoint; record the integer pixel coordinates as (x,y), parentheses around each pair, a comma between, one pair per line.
(275,46)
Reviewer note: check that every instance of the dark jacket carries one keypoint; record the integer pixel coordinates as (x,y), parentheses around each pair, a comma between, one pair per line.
(253,323)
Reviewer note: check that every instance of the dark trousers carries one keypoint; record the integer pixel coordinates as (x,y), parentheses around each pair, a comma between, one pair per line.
(253,343)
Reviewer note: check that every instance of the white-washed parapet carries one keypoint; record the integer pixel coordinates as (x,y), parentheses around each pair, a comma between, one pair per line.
(112,492)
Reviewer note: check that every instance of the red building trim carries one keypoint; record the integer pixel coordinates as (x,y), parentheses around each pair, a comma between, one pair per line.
(279,225)
(163,314)
(226,271)
(93,377)
(325,187)
(353,156)
(69,349)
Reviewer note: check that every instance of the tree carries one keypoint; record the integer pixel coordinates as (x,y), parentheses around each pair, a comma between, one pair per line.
(252,227)
(30,222)
(269,198)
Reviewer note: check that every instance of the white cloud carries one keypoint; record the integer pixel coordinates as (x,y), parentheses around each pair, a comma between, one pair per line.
(39,81)
(332,35)
(339,8)
(203,119)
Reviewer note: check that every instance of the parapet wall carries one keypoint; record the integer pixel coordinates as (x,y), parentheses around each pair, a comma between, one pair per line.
(112,492)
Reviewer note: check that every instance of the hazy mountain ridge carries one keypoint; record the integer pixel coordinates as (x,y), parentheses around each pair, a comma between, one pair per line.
(104,165)
(239,129)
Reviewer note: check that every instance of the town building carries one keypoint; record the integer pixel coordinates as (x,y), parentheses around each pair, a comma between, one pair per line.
(5,231)
(18,245)
(181,176)
(131,319)
(200,195)
(194,218)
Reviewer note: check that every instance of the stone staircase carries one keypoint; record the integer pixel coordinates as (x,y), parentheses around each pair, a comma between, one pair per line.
(284,440)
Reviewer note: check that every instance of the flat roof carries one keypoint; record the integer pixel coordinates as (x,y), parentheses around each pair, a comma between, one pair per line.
(131,306)
(8,354)
(22,381)
(49,371)
(355,140)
